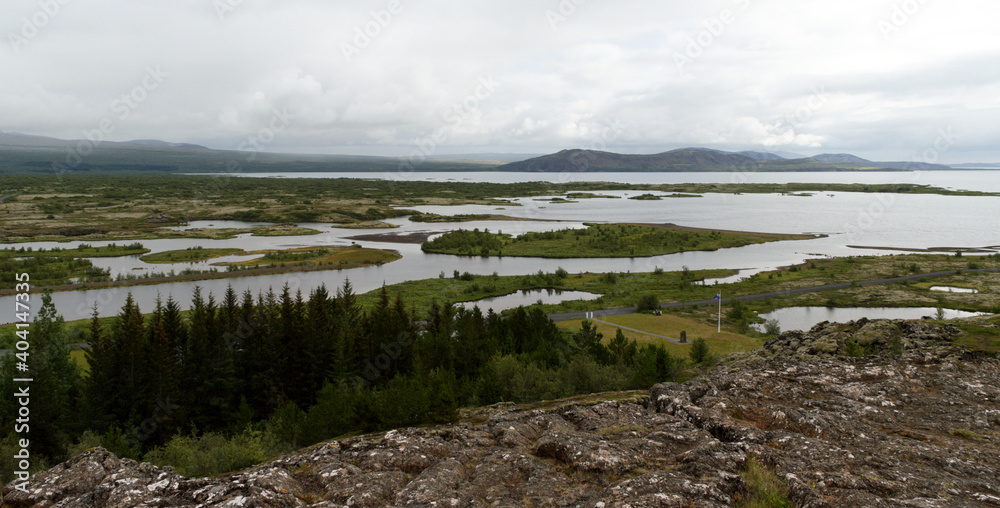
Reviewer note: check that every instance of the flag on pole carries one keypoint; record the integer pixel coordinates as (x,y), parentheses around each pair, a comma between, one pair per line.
(718,297)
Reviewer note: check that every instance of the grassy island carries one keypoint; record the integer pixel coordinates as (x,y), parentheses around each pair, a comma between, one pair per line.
(335,256)
(188,255)
(597,241)
(60,266)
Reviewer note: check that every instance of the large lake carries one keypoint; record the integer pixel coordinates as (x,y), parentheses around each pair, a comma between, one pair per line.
(848,219)
(956,179)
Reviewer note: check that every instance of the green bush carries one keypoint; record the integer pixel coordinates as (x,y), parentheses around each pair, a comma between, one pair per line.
(853,349)
(584,375)
(506,379)
(214,454)
(699,351)
(772,327)
(648,303)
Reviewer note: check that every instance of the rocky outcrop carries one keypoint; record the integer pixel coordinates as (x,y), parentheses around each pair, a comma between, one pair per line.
(918,429)
(881,336)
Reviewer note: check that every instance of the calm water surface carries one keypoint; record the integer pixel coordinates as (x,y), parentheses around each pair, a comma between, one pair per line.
(986,180)
(804,318)
(529,297)
(847,219)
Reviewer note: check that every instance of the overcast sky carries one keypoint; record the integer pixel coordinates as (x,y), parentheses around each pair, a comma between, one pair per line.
(883,79)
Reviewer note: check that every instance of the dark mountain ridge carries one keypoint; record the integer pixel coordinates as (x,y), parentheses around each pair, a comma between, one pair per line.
(846,158)
(39,154)
(684,159)
(702,159)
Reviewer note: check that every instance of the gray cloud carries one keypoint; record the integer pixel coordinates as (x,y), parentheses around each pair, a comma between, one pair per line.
(876,78)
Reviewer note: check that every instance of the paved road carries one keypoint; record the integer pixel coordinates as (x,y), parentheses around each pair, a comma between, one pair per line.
(568,316)
(7,196)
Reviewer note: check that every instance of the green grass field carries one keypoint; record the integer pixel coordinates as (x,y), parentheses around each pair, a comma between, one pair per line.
(671,326)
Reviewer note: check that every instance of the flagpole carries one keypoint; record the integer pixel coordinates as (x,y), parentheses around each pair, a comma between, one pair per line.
(720,311)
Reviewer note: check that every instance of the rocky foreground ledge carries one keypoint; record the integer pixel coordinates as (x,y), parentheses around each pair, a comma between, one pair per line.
(918,429)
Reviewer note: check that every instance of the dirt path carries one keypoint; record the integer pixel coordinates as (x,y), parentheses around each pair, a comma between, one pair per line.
(671,339)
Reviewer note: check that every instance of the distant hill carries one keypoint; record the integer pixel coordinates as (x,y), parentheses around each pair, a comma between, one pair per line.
(702,159)
(16,140)
(764,156)
(28,154)
(498,157)
(164,144)
(684,159)
(846,158)
(25,153)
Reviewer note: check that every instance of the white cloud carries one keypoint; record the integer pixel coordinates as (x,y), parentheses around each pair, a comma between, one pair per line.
(757,64)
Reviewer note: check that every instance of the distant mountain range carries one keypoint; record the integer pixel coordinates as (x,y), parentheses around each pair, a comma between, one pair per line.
(15,140)
(27,154)
(23,153)
(702,159)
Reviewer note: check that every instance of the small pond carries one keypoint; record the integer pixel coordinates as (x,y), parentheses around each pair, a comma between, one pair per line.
(953,289)
(804,318)
(528,297)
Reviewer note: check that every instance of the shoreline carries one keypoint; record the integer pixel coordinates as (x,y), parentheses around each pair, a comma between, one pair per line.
(932,250)
(150,281)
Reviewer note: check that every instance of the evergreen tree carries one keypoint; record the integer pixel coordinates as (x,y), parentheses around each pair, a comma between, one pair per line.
(316,360)
(56,380)
(129,346)
(159,408)
(257,368)
(347,336)
(100,383)
(208,379)
(293,373)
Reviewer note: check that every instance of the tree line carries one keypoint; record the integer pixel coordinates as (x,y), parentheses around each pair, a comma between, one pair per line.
(248,375)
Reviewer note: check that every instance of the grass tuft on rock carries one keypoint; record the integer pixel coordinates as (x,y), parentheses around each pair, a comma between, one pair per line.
(766,489)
